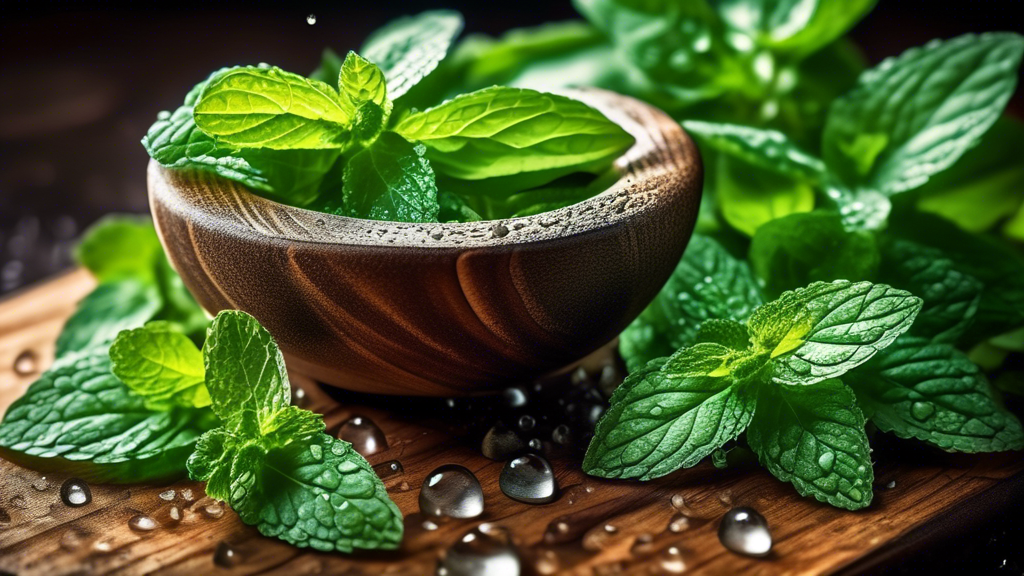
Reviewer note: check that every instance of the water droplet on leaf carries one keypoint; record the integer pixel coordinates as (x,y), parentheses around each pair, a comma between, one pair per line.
(452,491)
(826,460)
(921,410)
(745,531)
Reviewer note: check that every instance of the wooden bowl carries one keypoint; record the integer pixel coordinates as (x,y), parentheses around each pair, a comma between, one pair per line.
(440,309)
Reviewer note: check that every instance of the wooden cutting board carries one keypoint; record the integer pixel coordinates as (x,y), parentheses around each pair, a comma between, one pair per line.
(39,535)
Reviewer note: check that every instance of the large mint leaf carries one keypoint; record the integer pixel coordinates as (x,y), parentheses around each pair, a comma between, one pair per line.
(768,149)
(78,418)
(669,416)
(793,251)
(509,131)
(245,374)
(826,329)
(120,246)
(934,393)
(254,107)
(409,48)
(106,311)
(751,196)
(708,283)
(914,115)
(391,180)
(793,27)
(813,436)
(950,297)
(161,365)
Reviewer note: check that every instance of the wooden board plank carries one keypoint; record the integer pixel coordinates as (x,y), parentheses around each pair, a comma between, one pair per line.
(38,535)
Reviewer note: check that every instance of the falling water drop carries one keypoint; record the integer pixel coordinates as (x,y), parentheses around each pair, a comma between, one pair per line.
(226,556)
(142,523)
(745,531)
(452,491)
(75,493)
(529,479)
(486,550)
(671,561)
(364,435)
(311,19)
(168,495)
(26,363)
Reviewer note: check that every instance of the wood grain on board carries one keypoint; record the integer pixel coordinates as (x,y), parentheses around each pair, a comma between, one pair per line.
(39,535)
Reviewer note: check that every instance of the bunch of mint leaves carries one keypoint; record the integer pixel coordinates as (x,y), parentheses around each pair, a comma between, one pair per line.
(347,141)
(131,398)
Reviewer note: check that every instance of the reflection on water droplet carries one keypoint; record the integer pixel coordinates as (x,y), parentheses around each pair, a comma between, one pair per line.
(642,545)
(103,546)
(451,490)
(141,523)
(890,485)
(226,556)
(364,435)
(547,563)
(679,523)
(26,363)
(429,525)
(168,495)
(75,493)
(311,19)
(921,410)
(826,460)
(41,484)
(19,502)
(526,422)
(536,444)
(213,511)
(671,561)
(389,469)
(299,396)
(529,479)
(484,551)
(745,531)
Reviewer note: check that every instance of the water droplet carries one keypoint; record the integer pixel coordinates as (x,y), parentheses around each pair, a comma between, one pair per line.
(921,410)
(213,511)
(429,525)
(890,485)
(19,502)
(575,493)
(226,556)
(562,435)
(671,561)
(679,523)
(529,479)
(141,523)
(364,435)
(826,460)
(499,230)
(299,397)
(536,445)
(500,443)
(514,397)
(452,491)
(642,545)
(745,531)
(389,469)
(725,497)
(547,563)
(311,19)
(75,493)
(187,495)
(679,503)
(320,222)
(41,484)
(557,532)
(656,411)
(26,363)
(484,551)
(71,540)
(168,495)
(103,546)
(526,422)
(174,513)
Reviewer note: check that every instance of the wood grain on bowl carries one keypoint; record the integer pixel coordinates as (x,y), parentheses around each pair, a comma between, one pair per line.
(440,309)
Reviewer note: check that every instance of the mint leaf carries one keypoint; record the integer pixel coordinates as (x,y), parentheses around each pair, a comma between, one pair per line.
(798,249)
(106,311)
(409,48)
(750,196)
(813,437)
(362,83)
(933,392)
(245,374)
(793,27)
(508,131)
(453,208)
(826,329)
(161,365)
(292,424)
(256,107)
(728,333)
(211,462)
(78,418)
(663,419)
(950,297)
(391,180)
(119,247)
(768,149)
(708,283)
(915,115)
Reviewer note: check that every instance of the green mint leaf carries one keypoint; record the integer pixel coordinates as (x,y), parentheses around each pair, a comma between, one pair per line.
(329,69)
(768,149)
(998,266)
(211,462)
(663,419)
(813,437)
(750,196)
(362,83)
(254,107)
(933,392)
(793,27)
(798,249)
(708,283)
(914,115)
(728,333)
(391,180)
(409,48)
(161,365)
(79,419)
(105,312)
(120,246)
(452,208)
(984,186)
(509,131)
(950,297)
(826,329)
(292,424)
(245,374)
